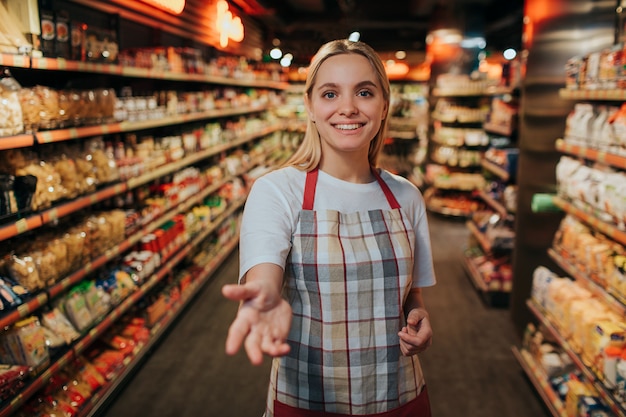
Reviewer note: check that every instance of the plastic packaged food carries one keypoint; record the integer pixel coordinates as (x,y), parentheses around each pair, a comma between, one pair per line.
(24,271)
(24,189)
(6,194)
(40,108)
(75,306)
(24,344)
(8,296)
(74,239)
(60,325)
(11,117)
(49,188)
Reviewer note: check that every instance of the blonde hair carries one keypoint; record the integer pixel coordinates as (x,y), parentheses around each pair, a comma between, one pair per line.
(309,153)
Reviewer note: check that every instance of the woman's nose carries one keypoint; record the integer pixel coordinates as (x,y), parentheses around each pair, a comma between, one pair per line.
(347,106)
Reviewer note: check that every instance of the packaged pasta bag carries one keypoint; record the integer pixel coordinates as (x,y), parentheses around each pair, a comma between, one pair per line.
(65,166)
(105,165)
(74,239)
(23,270)
(11,116)
(49,188)
(85,169)
(56,322)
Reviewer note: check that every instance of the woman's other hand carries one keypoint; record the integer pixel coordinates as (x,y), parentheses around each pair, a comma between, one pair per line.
(417,335)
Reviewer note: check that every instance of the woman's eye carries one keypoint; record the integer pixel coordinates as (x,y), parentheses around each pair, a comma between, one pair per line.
(364,93)
(329,94)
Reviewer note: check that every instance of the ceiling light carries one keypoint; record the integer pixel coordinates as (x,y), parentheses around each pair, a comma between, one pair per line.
(476,42)
(285,61)
(400,54)
(276,53)
(450,36)
(509,54)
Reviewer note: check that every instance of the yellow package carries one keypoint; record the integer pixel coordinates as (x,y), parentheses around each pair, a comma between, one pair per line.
(603,334)
(576,390)
(595,312)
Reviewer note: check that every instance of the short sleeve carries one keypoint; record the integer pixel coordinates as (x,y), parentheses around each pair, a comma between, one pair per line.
(266,227)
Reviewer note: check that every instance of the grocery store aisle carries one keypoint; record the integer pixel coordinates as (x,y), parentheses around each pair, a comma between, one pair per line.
(470,368)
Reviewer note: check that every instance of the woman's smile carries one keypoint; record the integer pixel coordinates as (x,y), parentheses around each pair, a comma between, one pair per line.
(348,126)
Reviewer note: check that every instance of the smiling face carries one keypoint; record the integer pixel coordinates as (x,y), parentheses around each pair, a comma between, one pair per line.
(347,104)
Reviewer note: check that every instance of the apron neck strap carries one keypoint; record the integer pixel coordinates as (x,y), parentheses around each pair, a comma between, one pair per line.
(311,183)
(309,189)
(391,199)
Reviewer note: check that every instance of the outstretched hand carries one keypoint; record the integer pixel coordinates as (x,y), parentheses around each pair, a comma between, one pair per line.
(417,335)
(262,322)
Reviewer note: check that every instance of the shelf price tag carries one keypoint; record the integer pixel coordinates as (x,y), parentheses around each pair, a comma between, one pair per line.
(21,226)
(53,215)
(24,310)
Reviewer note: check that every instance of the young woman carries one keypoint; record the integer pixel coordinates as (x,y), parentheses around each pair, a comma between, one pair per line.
(334,255)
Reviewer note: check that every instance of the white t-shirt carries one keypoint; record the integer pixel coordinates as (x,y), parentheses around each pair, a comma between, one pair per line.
(272,210)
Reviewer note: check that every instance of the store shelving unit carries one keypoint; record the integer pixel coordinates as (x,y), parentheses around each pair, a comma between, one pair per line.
(538,378)
(499,166)
(171,260)
(458,189)
(456,143)
(406,142)
(603,392)
(600,222)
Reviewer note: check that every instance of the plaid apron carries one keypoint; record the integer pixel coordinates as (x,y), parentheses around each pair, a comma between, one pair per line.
(347,277)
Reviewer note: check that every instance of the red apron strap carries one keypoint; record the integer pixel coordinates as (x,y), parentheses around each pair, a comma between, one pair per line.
(390,197)
(311,183)
(309,189)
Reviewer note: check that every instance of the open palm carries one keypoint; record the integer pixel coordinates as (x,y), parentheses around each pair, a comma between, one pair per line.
(262,323)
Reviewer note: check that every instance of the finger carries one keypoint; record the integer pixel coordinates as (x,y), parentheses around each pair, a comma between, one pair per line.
(236,335)
(235,292)
(252,344)
(416,340)
(275,346)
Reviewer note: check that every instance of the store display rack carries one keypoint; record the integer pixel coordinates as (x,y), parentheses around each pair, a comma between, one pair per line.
(539,379)
(39,219)
(488,264)
(599,222)
(105,394)
(599,94)
(591,154)
(590,216)
(491,297)
(464,145)
(406,141)
(603,392)
(170,261)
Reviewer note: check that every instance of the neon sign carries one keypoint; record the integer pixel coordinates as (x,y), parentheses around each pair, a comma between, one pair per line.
(171,6)
(229,27)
